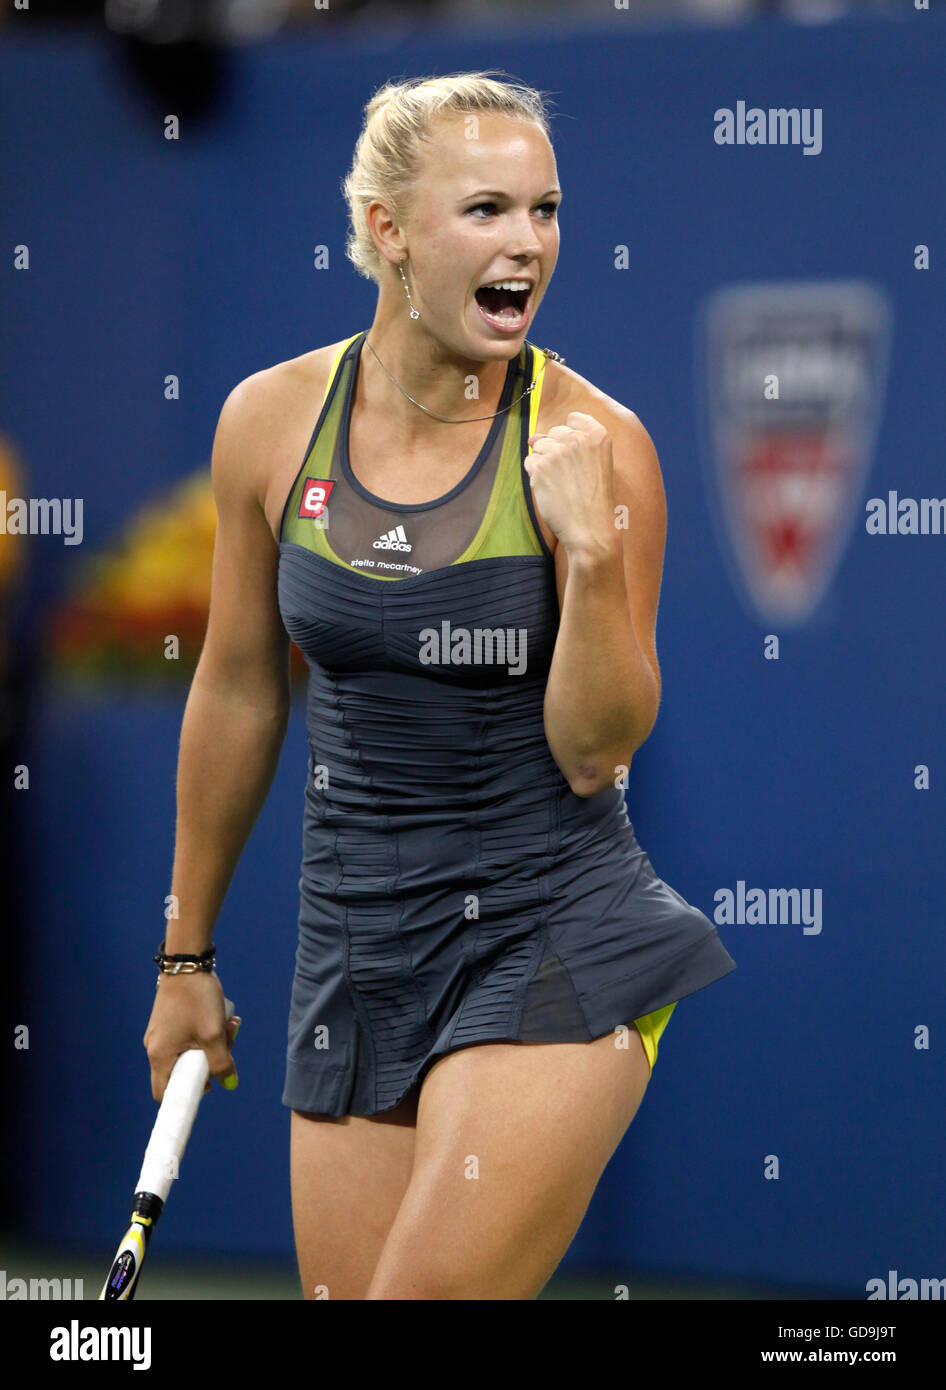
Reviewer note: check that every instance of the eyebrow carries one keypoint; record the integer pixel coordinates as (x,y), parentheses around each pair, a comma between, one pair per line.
(497,193)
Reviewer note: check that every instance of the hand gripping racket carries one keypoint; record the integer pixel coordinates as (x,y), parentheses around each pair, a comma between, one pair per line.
(162,1160)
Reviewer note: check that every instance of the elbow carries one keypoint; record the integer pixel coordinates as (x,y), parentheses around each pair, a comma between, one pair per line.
(590,779)
(586,789)
(595,775)
(596,772)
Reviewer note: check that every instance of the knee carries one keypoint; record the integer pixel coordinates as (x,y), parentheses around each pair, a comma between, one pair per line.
(510,1274)
(404,1280)
(426,1270)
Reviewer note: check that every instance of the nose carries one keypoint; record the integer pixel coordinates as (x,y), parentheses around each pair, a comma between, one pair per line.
(525,239)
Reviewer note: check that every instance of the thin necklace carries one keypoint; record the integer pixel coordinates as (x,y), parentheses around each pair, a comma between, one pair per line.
(473,418)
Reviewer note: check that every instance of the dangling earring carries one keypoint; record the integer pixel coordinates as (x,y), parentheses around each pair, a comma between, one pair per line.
(414,313)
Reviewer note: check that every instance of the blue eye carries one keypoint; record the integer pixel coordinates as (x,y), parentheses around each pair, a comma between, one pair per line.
(477,206)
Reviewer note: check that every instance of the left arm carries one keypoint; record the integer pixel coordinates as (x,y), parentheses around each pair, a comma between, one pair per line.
(597,481)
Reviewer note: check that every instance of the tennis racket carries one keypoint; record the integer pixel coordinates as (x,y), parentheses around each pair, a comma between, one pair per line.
(162,1161)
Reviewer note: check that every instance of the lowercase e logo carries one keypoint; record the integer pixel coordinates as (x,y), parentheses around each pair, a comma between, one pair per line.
(315,494)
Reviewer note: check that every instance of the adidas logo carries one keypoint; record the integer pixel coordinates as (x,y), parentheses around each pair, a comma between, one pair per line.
(393,540)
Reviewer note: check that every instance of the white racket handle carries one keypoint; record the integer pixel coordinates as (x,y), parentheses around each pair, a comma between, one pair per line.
(172,1128)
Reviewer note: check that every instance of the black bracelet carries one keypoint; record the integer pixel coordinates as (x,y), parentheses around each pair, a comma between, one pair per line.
(181,962)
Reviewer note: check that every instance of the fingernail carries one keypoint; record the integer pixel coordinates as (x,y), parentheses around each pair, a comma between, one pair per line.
(230,1082)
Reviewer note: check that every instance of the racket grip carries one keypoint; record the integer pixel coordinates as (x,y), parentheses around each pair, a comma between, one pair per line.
(175,1120)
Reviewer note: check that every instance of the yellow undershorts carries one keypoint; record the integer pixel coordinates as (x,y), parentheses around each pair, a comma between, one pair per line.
(650,1027)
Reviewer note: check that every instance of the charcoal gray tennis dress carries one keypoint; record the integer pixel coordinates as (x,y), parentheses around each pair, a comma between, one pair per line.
(454,889)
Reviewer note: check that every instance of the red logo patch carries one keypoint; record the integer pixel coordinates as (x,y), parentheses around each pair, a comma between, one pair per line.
(315,494)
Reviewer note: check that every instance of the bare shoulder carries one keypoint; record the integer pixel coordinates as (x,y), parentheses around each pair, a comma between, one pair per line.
(566,391)
(263,394)
(266,422)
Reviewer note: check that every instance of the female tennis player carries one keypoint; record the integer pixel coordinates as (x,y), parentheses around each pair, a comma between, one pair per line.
(469,555)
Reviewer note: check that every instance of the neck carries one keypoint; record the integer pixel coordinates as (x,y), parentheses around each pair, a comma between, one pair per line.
(427,369)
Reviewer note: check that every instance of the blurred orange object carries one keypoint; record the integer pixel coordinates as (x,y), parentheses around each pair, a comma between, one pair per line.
(154,585)
(12,547)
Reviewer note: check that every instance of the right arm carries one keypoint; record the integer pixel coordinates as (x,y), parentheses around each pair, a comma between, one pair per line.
(234,725)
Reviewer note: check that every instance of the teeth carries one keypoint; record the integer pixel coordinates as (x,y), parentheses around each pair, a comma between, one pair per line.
(508,285)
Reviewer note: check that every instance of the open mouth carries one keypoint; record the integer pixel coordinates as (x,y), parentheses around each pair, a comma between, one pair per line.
(502,308)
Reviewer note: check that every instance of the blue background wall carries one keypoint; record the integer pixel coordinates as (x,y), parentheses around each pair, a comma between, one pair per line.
(195,257)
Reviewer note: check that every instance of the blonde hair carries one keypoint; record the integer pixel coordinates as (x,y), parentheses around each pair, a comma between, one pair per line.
(399,116)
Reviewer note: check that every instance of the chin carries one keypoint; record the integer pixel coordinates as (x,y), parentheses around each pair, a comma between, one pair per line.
(501,349)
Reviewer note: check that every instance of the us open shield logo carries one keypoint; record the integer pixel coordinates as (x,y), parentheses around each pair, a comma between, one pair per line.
(794,377)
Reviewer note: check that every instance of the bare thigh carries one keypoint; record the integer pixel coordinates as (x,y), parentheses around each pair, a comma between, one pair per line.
(348,1176)
(510,1143)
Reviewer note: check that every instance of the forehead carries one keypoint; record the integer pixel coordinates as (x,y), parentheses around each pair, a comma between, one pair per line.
(507,149)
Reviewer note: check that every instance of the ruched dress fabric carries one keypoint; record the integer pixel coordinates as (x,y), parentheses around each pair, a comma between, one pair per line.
(454,890)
